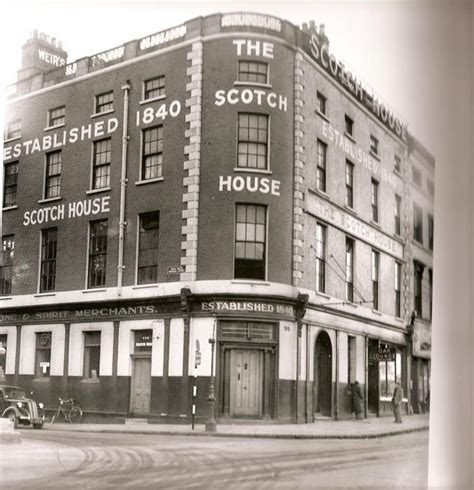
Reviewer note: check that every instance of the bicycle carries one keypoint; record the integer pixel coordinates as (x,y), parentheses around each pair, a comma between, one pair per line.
(70,409)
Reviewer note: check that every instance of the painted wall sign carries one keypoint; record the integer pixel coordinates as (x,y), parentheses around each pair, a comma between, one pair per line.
(61,138)
(264,185)
(177,269)
(383,353)
(247,307)
(51,58)
(356,154)
(251,20)
(113,54)
(162,37)
(251,47)
(320,208)
(320,52)
(250,96)
(58,212)
(79,314)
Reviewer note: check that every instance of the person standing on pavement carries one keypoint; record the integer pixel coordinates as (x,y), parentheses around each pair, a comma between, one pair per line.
(397,399)
(357,399)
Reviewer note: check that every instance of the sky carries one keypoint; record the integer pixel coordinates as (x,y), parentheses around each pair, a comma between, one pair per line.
(416,56)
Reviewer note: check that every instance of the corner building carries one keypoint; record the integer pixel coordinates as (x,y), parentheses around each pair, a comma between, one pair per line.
(225,179)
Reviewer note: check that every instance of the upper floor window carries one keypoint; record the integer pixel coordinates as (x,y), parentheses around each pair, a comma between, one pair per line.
(154,88)
(13,130)
(43,355)
(52,186)
(101,164)
(374,145)
(10,184)
(49,247)
(398,289)
(92,354)
(320,258)
(6,264)
(430,231)
(97,253)
(375,200)
(253,71)
(419,268)
(148,240)
(104,102)
(349,184)
(57,116)
(321,103)
(397,166)
(417,223)
(375,279)
(252,151)
(250,241)
(152,153)
(431,189)
(398,215)
(349,269)
(349,126)
(321,166)
(416,176)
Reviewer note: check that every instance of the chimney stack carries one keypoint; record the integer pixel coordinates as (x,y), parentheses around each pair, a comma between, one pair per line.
(40,54)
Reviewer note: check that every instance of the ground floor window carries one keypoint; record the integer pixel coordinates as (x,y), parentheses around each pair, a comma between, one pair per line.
(389,373)
(91,355)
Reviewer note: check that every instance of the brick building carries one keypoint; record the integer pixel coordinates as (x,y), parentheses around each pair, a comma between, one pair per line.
(224,179)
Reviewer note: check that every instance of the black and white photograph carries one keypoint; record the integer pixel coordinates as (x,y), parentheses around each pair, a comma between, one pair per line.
(236,245)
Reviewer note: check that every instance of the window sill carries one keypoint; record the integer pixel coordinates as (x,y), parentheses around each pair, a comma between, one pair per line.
(377,312)
(42,295)
(323,295)
(10,140)
(320,193)
(351,304)
(98,114)
(350,210)
(49,199)
(92,290)
(398,319)
(154,99)
(149,181)
(5,297)
(50,128)
(350,138)
(9,208)
(97,191)
(398,173)
(323,116)
(250,281)
(253,170)
(253,84)
(375,155)
(375,224)
(145,286)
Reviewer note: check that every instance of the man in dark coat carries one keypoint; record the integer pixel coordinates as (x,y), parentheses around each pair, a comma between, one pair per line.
(357,400)
(397,399)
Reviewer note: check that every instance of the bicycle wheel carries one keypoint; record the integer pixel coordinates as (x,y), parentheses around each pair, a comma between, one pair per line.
(75,415)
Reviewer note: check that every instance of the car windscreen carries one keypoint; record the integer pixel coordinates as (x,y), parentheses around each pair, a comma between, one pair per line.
(13,393)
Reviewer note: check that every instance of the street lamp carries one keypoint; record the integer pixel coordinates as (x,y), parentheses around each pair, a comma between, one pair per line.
(211,425)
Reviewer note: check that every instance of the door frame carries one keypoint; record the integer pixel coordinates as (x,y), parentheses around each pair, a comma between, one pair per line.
(134,357)
(316,374)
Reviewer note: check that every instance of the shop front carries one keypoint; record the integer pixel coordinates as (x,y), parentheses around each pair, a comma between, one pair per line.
(421,366)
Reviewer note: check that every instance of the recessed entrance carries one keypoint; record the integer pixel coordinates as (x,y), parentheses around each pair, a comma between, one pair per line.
(323,375)
(246,382)
(141,387)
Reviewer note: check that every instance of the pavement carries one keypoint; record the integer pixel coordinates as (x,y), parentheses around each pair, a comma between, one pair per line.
(369,428)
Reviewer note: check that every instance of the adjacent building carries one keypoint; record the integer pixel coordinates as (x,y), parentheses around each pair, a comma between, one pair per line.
(220,199)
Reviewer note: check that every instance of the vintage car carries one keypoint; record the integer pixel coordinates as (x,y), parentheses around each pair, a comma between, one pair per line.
(20,410)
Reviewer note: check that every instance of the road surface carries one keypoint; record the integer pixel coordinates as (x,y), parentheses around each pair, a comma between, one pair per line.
(105,461)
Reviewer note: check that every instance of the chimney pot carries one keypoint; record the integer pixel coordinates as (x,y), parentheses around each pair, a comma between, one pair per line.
(321,29)
(312,24)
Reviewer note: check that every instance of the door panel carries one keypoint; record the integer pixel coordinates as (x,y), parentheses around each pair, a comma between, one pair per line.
(246,383)
(141,387)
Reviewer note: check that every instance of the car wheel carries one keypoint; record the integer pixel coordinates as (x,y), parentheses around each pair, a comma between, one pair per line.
(37,426)
(13,418)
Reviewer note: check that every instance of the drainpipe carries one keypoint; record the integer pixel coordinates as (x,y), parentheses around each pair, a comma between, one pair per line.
(123,187)
(298,335)
(336,408)
(307,374)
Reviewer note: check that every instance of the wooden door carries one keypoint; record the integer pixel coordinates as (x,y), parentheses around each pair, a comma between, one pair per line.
(323,374)
(246,382)
(141,387)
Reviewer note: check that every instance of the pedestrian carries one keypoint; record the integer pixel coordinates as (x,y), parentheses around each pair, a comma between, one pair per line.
(397,399)
(357,400)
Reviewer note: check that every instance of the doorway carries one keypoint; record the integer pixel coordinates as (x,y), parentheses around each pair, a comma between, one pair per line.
(323,375)
(246,383)
(141,386)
